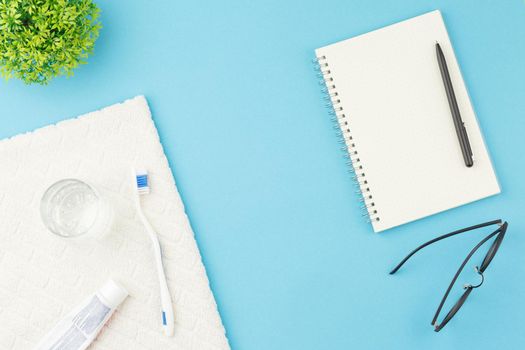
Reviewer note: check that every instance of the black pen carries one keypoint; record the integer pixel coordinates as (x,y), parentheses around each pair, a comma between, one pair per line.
(454,109)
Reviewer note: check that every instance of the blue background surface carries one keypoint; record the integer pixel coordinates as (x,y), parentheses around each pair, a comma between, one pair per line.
(291,262)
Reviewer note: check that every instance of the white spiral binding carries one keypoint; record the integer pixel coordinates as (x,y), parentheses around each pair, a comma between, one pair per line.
(342,125)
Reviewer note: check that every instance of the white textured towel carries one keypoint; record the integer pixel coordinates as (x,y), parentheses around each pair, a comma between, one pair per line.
(42,276)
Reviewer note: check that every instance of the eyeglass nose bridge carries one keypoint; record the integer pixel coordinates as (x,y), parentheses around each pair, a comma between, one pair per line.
(467,286)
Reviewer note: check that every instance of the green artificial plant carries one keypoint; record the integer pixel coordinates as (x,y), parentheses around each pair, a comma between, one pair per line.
(42,39)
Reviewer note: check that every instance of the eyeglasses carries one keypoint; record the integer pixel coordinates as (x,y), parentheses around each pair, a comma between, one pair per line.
(499,233)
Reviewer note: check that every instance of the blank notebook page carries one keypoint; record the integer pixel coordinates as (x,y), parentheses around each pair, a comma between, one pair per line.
(392,95)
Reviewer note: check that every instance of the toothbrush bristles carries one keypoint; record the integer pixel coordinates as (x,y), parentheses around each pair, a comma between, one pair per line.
(142,183)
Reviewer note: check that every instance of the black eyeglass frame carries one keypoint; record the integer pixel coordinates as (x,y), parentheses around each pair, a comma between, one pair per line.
(500,232)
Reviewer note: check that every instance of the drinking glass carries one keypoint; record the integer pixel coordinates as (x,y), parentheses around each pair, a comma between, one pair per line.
(72,208)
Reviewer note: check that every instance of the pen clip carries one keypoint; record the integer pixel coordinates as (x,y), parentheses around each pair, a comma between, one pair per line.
(469,148)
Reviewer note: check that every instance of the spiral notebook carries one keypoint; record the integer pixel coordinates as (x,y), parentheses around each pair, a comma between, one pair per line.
(388,98)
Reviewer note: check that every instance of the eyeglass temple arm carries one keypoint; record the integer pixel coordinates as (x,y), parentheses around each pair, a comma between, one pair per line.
(489,223)
(460,270)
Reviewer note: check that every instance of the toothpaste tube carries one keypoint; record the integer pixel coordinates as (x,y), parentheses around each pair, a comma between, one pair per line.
(81,326)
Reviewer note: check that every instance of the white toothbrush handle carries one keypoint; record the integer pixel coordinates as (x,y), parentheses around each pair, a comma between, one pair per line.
(167,316)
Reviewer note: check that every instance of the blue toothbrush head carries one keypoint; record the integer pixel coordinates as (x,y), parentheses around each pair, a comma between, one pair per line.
(142,182)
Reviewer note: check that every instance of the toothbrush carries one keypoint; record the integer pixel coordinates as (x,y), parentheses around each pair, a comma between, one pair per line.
(140,180)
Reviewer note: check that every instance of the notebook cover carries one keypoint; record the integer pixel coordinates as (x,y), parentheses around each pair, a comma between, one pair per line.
(43,277)
(392,95)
